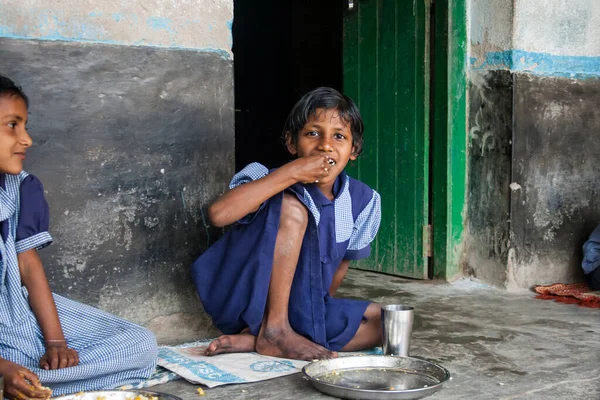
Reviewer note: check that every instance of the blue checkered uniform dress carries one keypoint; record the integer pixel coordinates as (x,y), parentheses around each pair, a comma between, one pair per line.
(232,277)
(112,351)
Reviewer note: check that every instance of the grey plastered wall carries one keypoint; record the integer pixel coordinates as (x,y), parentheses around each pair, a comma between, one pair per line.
(130,143)
(132,118)
(556,153)
(488,203)
(549,58)
(490,108)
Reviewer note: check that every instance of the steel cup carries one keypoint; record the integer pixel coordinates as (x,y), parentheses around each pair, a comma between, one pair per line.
(396,325)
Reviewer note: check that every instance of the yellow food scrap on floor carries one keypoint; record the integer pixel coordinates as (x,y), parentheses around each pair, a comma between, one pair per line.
(201,392)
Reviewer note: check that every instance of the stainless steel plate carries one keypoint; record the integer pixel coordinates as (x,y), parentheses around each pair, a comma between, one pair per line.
(376,377)
(117,395)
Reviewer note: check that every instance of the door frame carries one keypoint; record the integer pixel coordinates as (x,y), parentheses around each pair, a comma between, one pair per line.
(449,136)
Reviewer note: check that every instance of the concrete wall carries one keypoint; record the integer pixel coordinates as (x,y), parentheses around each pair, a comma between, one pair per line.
(556,38)
(488,197)
(202,25)
(490,135)
(557,27)
(555,163)
(132,120)
(490,29)
(551,53)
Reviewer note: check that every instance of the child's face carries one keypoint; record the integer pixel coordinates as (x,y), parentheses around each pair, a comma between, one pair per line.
(325,132)
(14,139)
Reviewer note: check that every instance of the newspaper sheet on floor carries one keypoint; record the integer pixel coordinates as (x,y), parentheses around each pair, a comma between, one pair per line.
(189,362)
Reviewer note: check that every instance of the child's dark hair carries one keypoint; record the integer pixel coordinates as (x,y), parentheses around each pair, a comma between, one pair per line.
(327,99)
(9,89)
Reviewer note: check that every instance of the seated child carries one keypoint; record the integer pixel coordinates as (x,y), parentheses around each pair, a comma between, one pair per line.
(46,339)
(269,282)
(591,259)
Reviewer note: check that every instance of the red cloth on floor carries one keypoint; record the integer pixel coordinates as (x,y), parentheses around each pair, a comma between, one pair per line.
(572,293)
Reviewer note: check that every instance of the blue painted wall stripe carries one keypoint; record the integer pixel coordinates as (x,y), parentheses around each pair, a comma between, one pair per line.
(222,53)
(539,64)
(53,25)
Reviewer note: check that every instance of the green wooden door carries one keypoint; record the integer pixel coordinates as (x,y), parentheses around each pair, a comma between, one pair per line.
(386,71)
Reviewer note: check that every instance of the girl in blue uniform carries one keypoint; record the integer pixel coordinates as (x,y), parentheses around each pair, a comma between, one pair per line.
(45,339)
(591,259)
(269,282)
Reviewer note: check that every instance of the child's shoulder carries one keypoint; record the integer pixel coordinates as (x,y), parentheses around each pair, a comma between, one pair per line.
(29,183)
(250,172)
(25,176)
(254,166)
(359,189)
(23,179)
(361,193)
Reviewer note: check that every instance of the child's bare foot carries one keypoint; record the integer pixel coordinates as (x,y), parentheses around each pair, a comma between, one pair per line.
(240,343)
(286,343)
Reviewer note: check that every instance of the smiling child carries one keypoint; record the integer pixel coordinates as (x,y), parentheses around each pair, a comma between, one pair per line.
(46,339)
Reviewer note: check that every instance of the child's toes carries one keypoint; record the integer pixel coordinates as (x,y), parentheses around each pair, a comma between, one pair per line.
(212,347)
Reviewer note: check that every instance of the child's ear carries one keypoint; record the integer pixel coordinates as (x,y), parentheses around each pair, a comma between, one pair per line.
(354,154)
(289,142)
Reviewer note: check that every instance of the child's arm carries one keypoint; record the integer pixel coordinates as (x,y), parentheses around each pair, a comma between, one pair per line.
(33,277)
(247,198)
(338,277)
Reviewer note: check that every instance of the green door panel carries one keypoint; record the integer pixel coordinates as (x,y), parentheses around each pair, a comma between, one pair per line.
(386,71)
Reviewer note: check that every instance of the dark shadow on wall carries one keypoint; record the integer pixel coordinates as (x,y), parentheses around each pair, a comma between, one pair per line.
(534,177)
(488,212)
(131,143)
(555,162)
(282,49)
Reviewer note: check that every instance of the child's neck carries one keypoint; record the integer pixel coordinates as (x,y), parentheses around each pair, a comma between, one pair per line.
(327,191)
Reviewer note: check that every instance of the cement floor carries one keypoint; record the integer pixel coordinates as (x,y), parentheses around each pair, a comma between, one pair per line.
(496,345)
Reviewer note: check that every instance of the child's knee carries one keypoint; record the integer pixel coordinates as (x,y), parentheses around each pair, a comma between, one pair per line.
(373,315)
(145,341)
(373,311)
(293,212)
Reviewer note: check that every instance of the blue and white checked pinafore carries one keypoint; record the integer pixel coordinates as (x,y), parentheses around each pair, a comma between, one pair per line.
(112,351)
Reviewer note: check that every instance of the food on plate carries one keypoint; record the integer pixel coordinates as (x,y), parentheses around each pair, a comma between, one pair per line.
(47,390)
(140,397)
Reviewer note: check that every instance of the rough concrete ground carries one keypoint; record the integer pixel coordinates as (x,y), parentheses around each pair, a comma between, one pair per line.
(496,345)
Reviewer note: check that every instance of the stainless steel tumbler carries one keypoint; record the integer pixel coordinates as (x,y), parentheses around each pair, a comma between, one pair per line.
(396,324)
